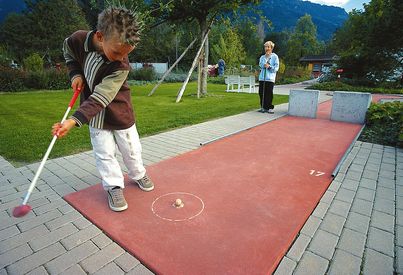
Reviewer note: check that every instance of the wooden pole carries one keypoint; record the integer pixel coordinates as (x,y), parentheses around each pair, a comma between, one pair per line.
(171,68)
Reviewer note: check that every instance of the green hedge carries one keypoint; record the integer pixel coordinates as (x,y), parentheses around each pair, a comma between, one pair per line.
(341,86)
(13,80)
(384,124)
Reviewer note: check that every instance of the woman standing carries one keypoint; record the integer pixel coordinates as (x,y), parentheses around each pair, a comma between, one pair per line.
(269,64)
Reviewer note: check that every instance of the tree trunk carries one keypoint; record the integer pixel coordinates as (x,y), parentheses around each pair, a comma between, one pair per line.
(203,63)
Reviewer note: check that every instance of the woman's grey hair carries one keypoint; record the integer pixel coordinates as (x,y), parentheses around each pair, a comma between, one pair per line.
(122,23)
(270,44)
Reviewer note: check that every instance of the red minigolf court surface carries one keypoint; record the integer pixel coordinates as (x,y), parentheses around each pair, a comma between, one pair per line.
(245,198)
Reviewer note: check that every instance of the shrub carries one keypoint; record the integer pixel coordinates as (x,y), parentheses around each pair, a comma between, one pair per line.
(145,74)
(48,79)
(342,86)
(33,63)
(384,124)
(11,80)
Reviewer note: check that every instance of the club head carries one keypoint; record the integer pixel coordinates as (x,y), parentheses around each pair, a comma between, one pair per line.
(21,210)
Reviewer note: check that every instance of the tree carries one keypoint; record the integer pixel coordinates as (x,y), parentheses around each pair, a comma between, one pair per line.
(370,42)
(41,28)
(203,12)
(280,39)
(229,48)
(303,41)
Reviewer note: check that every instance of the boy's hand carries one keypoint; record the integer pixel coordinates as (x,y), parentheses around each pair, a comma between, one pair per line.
(60,130)
(78,82)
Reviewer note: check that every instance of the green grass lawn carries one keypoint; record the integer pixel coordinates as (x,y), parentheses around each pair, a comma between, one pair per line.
(26,118)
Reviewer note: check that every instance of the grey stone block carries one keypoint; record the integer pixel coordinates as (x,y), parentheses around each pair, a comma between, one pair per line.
(344,263)
(49,207)
(80,237)
(40,270)
(22,238)
(101,240)
(345,195)
(350,106)
(369,174)
(399,217)
(63,220)
(110,268)
(140,270)
(311,264)
(340,208)
(320,210)
(37,259)
(365,194)
(82,223)
(103,257)
(26,225)
(372,167)
(71,258)
(357,222)
(387,174)
(362,207)
(368,183)
(333,223)
(311,225)
(399,235)
(323,244)
(353,242)
(334,186)
(298,247)
(14,255)
(385,206)
(381,241)
(303,103)
(385,193)
(9,232)
(399,260)
(377,263)
(350,184)
(354,175)
(74,270)
(49,238)
(328,197)
(127,262)
(383,221)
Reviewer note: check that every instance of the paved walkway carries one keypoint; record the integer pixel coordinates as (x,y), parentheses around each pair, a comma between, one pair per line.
(358,225)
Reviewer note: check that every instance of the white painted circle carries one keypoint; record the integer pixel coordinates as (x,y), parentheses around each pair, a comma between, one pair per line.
(172,219)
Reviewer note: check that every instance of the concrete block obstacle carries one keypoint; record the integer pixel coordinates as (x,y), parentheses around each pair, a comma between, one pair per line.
(350,106)
(303,103)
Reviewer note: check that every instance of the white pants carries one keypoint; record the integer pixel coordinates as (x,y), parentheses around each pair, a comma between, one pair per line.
(104,144)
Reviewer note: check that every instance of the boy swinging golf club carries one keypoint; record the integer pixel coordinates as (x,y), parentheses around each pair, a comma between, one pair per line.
(269,64)
(98,63)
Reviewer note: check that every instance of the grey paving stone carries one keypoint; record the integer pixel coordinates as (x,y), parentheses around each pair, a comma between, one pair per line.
(311,225)
(54,236)
(377,263)
(22,238)
(352,242)
(399,260)
(344,263)
(386,174)
(356,167)
(9,232)
(101,240)
(40,270)
(387,167)
(385,193)
(388,183)
(333,223)
(140,270)
(37,259)
(381,241)
(328,197)
(365,194)
(357,222)
(345,195)
(383,221)
(14,255)
(66,209)
(49,216)
(385,206)
(320,210)
(103,257)
(334,186)
(399,235)
(311,264)
(368,183)
(298,247)
(82,223)
(63,220)
(340,208)
(362,207)
(71,258)
(74,270)
(370,174)
(127,262)
(354,175)
(323,244)
(350,184)
(110,268)
(49,207)
(80,237)
(399,217)
(372,167)
(286,267)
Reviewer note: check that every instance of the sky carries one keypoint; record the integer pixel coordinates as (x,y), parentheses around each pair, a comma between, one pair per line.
(348,5)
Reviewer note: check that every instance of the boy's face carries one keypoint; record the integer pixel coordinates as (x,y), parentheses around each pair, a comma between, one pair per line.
(113,49)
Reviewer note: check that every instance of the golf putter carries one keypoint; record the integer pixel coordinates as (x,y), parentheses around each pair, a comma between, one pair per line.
(24,208)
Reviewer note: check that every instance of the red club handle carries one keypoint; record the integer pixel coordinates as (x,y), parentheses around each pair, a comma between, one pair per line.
(74,98)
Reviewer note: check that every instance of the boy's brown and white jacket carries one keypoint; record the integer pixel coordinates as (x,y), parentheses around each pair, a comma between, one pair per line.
(105,102)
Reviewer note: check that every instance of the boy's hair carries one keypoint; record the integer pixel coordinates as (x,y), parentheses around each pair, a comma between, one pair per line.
(120,22)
